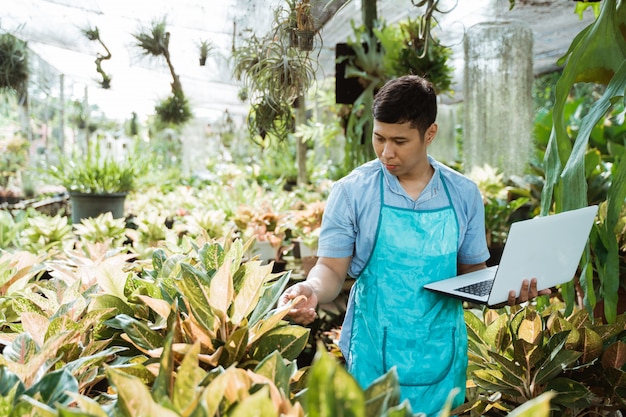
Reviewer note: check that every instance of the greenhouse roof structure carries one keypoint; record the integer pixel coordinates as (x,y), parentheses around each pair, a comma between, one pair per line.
(53,31)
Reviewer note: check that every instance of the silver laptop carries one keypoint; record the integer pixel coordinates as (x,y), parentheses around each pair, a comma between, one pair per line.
(548,248)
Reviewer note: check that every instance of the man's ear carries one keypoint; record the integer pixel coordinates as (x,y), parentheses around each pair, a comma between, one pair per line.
(431,132)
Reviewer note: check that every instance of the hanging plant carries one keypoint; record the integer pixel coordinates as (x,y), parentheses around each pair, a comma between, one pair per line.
(155,41)
(93,34)
(408,50)
(205,47)
(13,63)
(174,110)
(273,75)
(305,27)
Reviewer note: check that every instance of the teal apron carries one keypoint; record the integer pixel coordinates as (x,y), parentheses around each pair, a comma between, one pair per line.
(396,322)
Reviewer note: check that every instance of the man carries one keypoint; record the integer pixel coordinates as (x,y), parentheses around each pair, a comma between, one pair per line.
(395,224)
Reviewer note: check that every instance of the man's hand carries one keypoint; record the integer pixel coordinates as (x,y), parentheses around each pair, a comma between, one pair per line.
(527,292)
(303,312)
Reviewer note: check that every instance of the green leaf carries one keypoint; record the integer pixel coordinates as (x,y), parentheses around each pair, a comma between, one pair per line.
(512,371)
(196,290)
(569,392)
(110,302)
(186,393)
(257,404)
(269,298)
(537,407)
(332,391)
(248,296)
(133,397)
(555,365)
(289,341)
(138,332)
(235,347)
(496,333)
(212,256)
(384,394)
(221,290)
(54,387)
(162,387)
(591,345)
(495,380)
(21,350)
(10,382)
(213,394)
(273,367)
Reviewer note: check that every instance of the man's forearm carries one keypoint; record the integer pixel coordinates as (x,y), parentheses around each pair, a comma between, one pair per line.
(325,283)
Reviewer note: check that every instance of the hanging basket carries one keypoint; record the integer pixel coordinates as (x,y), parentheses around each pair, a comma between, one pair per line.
(305,39)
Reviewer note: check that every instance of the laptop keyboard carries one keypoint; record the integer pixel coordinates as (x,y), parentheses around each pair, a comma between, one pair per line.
(478,288)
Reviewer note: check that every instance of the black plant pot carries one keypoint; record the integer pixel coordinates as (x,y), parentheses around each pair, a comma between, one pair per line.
(86,205)
(305,39)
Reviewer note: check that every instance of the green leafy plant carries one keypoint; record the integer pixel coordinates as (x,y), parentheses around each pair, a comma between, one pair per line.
(595,55)
(46,233)
(518,355)
(273,74)
(94,172)
(204,49)
(13,158)
(500,204)
(101,229)
(13,63)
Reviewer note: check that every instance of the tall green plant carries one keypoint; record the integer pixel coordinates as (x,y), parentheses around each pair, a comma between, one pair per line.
(597,54)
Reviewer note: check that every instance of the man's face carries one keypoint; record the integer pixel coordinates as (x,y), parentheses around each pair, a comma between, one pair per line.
(401,148)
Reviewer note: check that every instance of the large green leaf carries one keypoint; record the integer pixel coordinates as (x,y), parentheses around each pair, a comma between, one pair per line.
(570,393)
(273,367)
(332,391)
(289,341)
(537,407)
(268,299)
(133,397)
(251,287)
(212,256)
(384,394)
(186,392)
(163,384)
(137,331)
(54,387)
(21,350)
(221,290)
(494,380)
(234,347)
(9,382)
(257,404)
(512,371)
(196,291)
(556,364)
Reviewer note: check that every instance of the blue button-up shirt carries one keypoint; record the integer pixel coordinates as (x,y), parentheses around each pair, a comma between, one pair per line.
(351,215)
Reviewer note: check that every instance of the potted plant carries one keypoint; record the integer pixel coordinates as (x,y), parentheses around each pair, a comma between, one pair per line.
(96,182)
(305,225)
(205,47)
(305,27)
(267,227)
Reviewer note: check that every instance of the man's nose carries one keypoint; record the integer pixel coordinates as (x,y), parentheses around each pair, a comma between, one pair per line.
(388,150)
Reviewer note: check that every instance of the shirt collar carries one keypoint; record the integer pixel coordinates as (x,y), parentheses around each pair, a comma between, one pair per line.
(432,188)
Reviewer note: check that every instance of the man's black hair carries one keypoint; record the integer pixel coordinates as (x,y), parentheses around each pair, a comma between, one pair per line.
(409,98)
